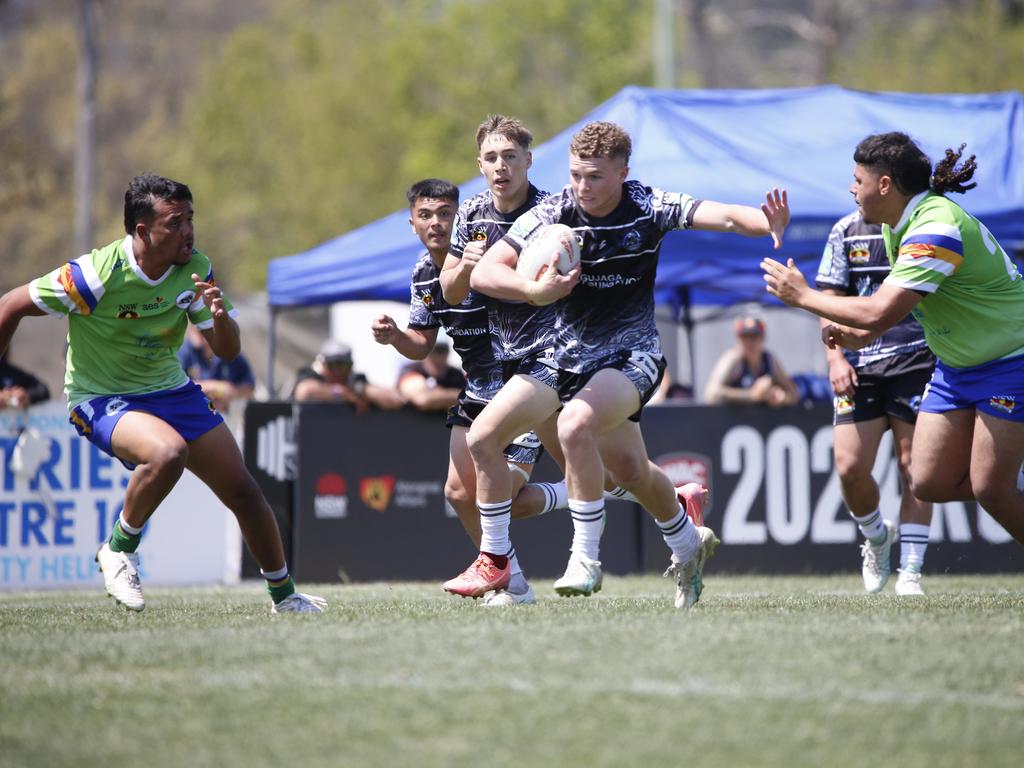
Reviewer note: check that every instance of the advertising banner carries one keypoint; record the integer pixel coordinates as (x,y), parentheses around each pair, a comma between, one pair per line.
(369,501)
(60,495)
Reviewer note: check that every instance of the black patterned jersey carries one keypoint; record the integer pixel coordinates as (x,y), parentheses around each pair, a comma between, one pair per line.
(517,329)
(855,262)
(611,309)
(466,324)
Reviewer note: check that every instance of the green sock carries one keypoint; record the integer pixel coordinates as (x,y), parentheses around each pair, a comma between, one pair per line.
(123,542)
(279,590)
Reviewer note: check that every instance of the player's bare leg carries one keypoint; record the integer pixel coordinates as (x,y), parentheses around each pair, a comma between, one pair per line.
(460,487)
(855,447)
(941,456)
(160,455)
(522,403)
(915,515)
(216,460)
(996,456)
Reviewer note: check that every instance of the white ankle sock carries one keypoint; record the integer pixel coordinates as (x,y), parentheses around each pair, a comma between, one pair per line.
(494,520)
(587,526)
(681,536)
(513,562)
(872,526)
(556,496)
(913,543)
(618,492)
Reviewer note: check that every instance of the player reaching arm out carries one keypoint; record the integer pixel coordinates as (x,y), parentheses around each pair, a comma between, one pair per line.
(772,218)
(874,313)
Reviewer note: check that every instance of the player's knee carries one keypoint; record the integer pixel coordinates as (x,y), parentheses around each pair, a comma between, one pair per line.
(850,466)
(169,457)
(481,444)
(930,486)
(574,426)
(455,493)
(630,471)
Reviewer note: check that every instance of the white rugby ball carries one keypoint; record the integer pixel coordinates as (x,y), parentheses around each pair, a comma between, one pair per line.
(547,242)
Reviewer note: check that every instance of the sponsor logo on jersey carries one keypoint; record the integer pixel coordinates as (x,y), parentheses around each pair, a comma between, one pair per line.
(158,302)
(185,299)
(1004,403)
(860,253)
(631,241)
(466,331)
(127,311)
(331,500)
(376,491)
(607,281)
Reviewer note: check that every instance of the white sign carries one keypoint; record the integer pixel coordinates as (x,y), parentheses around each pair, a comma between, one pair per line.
(60,495)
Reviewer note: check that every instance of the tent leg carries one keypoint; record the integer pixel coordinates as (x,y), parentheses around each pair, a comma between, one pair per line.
(271,351)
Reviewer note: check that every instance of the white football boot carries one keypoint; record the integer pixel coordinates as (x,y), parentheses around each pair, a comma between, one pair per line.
(876,566)
(689,576)
(121,577)
(297,602)
(582,577)
(908,584)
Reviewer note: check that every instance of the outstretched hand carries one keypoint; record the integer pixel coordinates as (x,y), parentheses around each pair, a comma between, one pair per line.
(776,210)
(784,281)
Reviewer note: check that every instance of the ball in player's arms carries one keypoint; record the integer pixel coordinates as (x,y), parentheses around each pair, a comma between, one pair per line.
(549,242)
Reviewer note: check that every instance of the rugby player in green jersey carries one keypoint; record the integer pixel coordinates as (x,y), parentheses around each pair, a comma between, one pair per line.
(128,305)
(967,294)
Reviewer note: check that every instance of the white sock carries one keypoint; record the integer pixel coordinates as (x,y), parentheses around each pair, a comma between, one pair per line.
(513,562)
(872,526)
(130,530)
(556,496)
(618,492)
(913,543)
(681,536)
(587,526)
(494,520)
(277,575)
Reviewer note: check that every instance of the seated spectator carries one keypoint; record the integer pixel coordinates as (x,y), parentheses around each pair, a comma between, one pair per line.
(330,378)
(19,388)
(673,391)
(748,373)
(221,381)
(431,384)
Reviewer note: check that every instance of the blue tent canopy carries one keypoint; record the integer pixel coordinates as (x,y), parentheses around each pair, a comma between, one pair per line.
(730,146)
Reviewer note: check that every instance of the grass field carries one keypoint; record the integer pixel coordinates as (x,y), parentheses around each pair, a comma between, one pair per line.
(802,671)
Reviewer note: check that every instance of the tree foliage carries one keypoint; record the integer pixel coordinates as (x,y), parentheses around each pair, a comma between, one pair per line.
(297,120)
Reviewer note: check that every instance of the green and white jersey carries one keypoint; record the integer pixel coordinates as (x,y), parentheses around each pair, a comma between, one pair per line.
(973,312)
(124,329)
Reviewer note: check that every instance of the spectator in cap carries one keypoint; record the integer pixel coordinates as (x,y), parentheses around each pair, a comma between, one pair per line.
(431,384)
(331,379)
(748,373)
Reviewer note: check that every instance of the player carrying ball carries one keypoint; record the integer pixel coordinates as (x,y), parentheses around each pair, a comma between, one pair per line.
(607,360)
